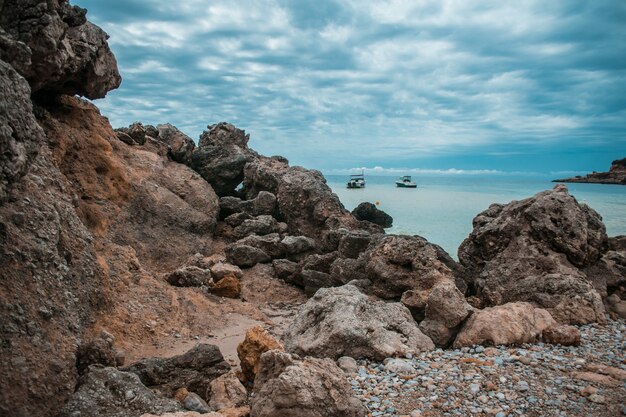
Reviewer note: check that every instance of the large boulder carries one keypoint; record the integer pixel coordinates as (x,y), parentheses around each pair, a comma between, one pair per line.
(508,324)
(396,264)
(371,213)
(535,250)
(342,321)
(107,392)
(68,54)
(193,370)
(221,156)
(287,386)
(227,392)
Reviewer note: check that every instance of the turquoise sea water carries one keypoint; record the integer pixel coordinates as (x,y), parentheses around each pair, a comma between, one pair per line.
(441,208)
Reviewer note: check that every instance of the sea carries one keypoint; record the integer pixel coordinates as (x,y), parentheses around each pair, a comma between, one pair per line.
(442,207)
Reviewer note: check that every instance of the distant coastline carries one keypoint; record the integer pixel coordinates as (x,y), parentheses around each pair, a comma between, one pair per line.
(615,175)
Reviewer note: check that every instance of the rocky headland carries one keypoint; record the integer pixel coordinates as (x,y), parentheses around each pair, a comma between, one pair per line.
(143,274)
(616,175)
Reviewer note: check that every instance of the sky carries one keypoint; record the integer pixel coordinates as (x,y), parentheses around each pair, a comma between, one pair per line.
(450,86)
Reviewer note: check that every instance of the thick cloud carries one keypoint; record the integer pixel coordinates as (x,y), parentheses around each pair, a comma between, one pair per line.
(526,85)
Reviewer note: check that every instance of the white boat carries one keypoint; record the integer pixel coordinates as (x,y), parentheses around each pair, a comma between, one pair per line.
(405,182)
(356,181)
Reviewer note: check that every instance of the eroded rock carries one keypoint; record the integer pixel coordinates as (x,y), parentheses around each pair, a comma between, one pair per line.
(512,323)
(342,321)
(287,386)
(371,213)
(534,250)
(257,342)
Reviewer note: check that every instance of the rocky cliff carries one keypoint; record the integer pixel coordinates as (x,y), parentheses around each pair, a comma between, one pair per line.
(136,246)
(615,175)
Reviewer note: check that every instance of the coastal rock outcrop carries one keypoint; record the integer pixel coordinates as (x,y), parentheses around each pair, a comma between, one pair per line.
(288,386)
(342,321)
(221,156)
(535,250)
(68,54)
(193,370)
(445,309)
(305,202)
(181,146)
(108,392)
(615,175)
(371,213)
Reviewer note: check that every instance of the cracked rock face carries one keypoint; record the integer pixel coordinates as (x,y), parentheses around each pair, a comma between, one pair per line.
(57,50)
(536,250)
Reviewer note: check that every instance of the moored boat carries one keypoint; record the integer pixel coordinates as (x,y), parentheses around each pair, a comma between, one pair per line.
(356,181)
(405,182)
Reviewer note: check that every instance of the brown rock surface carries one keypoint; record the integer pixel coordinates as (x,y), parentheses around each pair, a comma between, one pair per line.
(257,342)
(228,286)
(287,386)
(534,250)
(562,335)
(512,323)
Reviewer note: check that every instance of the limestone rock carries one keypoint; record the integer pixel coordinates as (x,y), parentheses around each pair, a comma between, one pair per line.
(263,204)
(445,310)
(342,321)
(69,55)
(260,225)
(191,401)
(229,287)
(246,256)
(512,323)
(107,392)
(287,386)
(348,364)
(221,156)
(180,145)
(189,276)
(535,250)
(193,370)
(563,335)
(294,245)
(396,264)
(221,269)
(257,342)
(371,213)
(227,392)
(305,202)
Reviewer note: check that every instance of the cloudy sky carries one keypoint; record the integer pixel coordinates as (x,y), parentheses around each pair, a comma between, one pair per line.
(333,84)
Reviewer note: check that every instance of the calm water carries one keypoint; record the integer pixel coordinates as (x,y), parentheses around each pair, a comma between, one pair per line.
(441,209)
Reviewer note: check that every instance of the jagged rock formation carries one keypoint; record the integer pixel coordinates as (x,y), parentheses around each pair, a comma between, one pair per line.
(344,322)
(616,175)
(60,51)
(535,250)
(289,386)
